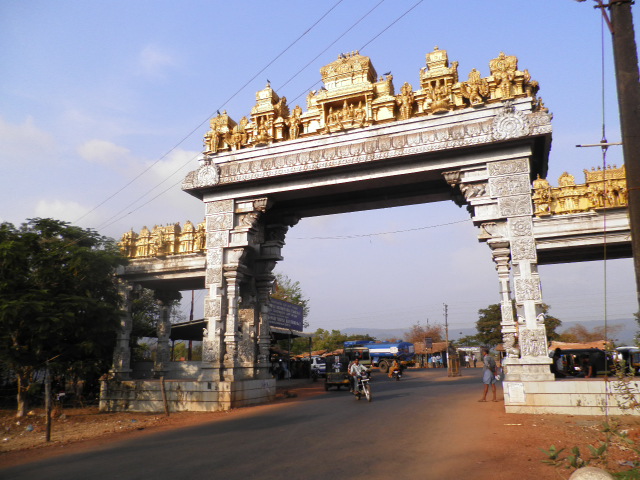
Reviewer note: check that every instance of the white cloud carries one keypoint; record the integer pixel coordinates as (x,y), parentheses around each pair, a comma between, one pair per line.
(153,62)
(103,152)
(68,211)
(24,142)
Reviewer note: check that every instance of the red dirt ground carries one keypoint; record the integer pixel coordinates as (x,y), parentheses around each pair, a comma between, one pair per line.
(520,437)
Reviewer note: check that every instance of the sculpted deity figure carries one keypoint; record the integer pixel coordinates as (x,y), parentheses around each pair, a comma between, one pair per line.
(187,238)
(201,238)
(295,123)
(128,243)
(405,101)
(437,98)
(503,70)
(542,196)
(360,114)
(476,88)
(212,137)
(143,243)
(238,136)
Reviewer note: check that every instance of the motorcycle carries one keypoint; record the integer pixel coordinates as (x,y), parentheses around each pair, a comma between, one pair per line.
(396,375)
(363,388)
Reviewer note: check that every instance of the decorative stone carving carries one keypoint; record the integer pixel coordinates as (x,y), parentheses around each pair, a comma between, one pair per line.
(523,248)
(509,185)
(508,167)
(473,190)
(212,308)
(509,340)
(208,174)
(510,124)
(217,239)
(222,206)
(210,352)
(220,222)
(527,289)
(520,227)
(533,342)
(515,205)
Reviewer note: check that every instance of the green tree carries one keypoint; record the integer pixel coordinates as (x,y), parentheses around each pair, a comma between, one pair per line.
(490,331)
(488,325)
(290,291)
(59,304)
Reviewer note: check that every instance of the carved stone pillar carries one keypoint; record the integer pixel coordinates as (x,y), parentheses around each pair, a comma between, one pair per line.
(219,223)
(510,184)
(231,325)
(163,331)
(502,257)
(121,369)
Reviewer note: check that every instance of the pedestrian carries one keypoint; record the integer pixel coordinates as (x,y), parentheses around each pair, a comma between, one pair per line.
(467,362)
(474,359)
(488,375)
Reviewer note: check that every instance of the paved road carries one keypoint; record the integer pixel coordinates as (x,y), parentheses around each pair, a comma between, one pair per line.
(425,426)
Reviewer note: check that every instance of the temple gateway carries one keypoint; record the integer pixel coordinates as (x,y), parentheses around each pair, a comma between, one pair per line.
(482,142)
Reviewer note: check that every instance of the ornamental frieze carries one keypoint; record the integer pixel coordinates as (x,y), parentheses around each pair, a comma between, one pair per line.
(214,256)
(523,248)
(213,276)
(508,167)
(533,343)
(210,351)
(515,206)
(509,185)
(527,289)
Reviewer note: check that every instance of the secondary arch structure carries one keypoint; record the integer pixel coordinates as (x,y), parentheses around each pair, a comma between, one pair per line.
(358,146)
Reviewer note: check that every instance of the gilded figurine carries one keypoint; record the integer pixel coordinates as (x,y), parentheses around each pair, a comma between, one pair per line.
(405,101)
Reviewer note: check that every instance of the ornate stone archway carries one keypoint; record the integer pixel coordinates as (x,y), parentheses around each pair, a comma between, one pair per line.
(358,146)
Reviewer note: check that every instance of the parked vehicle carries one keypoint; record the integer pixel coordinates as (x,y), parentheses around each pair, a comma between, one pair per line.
(318,366)
(336,372)
(380,354)
(631,357)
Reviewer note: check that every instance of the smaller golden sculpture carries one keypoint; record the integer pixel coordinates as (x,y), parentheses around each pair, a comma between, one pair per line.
(475,89)
(602,189)
(164,240)
(405,102)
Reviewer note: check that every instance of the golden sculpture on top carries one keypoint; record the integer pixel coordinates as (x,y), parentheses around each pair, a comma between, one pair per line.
(162,241)
(602,189)
(353,96)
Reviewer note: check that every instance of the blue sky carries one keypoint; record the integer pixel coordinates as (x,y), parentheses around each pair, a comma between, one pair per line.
(104,106)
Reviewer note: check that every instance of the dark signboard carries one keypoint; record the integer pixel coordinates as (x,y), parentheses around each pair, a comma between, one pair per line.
(428,342)
(285,315)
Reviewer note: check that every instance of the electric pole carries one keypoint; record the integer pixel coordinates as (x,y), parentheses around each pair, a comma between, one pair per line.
(628,86)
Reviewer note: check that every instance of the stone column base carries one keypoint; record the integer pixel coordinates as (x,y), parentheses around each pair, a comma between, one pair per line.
(527,369)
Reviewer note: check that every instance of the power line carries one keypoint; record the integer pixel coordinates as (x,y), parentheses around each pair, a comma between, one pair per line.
(211,115)
(346,237)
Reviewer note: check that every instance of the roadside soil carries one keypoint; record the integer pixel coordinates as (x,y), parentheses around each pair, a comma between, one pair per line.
(519,437)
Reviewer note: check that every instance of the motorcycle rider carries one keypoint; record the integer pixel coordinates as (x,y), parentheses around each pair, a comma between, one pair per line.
(356,370)
(395,368)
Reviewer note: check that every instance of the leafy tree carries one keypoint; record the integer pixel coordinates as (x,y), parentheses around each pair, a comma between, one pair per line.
(417,333)
(59,303)
(490,331)
(488,325)
(290,291)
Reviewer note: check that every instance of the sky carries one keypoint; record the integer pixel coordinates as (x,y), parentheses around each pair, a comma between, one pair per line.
(104,105)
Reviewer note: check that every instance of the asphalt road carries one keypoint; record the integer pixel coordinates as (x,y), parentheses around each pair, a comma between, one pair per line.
(427,425)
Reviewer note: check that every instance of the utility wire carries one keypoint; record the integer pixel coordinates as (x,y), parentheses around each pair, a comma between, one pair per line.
(109,222)
(211,115)
(347,237)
